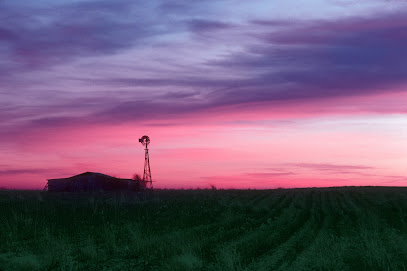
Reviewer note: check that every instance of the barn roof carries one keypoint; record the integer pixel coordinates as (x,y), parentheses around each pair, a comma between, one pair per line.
(88,173)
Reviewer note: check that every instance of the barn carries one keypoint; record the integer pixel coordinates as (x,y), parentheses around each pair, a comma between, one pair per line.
(92,181)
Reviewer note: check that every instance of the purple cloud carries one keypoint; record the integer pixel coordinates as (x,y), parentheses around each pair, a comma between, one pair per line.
(199,25)
(322,59)
(7,35)
(37,37)
(254,61)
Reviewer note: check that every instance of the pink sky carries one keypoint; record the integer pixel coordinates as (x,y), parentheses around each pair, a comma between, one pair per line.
(231,94)
(243,148)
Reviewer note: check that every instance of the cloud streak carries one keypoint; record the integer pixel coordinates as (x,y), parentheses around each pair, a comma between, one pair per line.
(332,168)
(324,59)
(59,34)
(314,62)
(302,62)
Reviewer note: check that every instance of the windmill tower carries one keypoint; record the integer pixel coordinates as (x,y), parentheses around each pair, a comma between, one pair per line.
(145,140)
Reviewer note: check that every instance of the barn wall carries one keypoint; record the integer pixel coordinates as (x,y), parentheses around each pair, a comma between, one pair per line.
(58,185)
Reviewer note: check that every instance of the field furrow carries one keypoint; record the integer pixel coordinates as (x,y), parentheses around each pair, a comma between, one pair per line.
(273,233)
(282,256)
(244,224)
(347,228)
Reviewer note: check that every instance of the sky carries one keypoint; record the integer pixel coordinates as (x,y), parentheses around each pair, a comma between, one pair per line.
(235,94)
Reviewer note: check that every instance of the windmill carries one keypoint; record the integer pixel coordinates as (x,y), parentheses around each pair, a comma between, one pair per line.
(145,140)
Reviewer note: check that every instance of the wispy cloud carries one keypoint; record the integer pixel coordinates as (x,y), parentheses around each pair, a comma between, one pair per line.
(320,59)
(332,168)
(36,37)
(246,62)
(269,174)
(8,172)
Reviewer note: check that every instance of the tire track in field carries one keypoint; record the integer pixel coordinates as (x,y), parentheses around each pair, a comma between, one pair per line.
(229,239)
(278,203)
(197,236)
(265,203)
(238,225)
(286,253)
(325,212)
(236,214)
(308,234)
(364,214)
(230,232)
(255,200)
(402,205)
(345,214)
(390,208)
(378,230)
(383,209)
(271,235)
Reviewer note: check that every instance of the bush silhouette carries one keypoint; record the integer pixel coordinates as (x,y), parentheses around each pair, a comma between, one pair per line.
(140,184)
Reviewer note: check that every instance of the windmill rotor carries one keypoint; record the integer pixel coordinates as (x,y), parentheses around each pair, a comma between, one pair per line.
(145,140)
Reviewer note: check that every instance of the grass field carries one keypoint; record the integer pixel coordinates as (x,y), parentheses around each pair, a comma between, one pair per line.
(297,229)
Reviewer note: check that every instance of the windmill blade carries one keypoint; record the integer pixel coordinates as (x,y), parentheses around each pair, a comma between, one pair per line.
(145,140)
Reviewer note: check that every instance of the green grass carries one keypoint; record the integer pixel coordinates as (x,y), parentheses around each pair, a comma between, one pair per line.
(350,228)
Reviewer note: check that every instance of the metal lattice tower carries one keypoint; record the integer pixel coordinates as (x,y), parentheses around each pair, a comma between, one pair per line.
(145,140)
